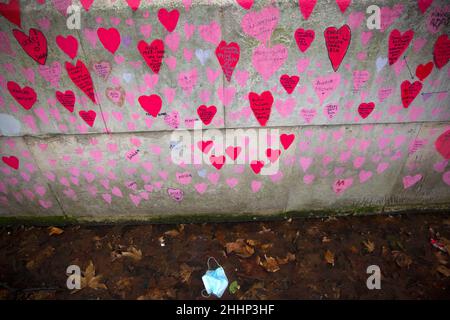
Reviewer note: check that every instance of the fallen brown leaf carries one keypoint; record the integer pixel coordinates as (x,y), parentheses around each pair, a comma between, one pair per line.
(402,259)
(240,248)
(54,231)
(133,253)
(172,233)
(90,280)
(329,257)
(185,272)
(370,246)
(444,271)
(289,257)
(442,259)
(270,264)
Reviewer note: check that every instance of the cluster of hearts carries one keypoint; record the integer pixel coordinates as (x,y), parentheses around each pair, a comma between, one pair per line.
(337,42)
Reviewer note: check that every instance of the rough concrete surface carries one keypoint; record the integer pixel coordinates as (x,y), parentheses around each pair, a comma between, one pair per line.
(359,143)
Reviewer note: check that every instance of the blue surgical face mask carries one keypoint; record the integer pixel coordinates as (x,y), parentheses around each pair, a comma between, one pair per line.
(215,281)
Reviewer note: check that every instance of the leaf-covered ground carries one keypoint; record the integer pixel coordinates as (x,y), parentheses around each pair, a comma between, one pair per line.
(291,259)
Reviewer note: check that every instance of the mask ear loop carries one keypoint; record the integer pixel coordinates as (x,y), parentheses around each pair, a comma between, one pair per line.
(212,258)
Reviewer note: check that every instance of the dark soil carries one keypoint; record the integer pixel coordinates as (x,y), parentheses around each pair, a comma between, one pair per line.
(291,259)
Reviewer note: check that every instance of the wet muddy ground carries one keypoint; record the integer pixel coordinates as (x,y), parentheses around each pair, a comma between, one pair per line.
(291,259)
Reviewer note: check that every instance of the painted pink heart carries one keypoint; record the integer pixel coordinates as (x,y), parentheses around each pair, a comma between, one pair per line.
(268,60)
(409,181)
(260,24)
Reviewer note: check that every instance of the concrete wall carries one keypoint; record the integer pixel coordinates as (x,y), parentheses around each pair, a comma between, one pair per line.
(345,157)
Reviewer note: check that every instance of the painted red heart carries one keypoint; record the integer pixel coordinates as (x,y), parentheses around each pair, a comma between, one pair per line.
(11,161)
(11,11)
(88,116)
(81,77)
(35,45)
(152,53)
(206,114)
(304,38)
(26,97)
(256,166)
(69,45)
(410,92)
(337,42)
(228,56)
(286,140)
(441,51)
(246,4)
(424,70)
(217,161)
(424,4)
(442,144)
(365,109)
(205,146)
(86,4)
(134,4)
(110,38)
(233,152)
(67,99)
(289,82)
(273,154)
(168,19)
(261,106)
(398,43)
(306,7)
(343,4)
(151,104)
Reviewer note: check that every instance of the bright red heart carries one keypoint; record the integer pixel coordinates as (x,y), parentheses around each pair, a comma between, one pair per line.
(88,116)
(246,4)
(304,38)
(233,152)
(134,4)
(69,45)
(168,19)
(228,56)
(289,83)
(35,45)
(205,146)
(11,161)
(306,7)
(206,114)
(11,12)
(261,106)
(441,51)
(110,38)
(424,4)
(217,162)
(442,144)
(286,140)
(151,104)
(343,4)
(424,70)
(67,99)
(410,92)
(365,109)
(86,4)
(256,166)
(337,42)
(152,53)
(398,43)
(26,97)
(81,77)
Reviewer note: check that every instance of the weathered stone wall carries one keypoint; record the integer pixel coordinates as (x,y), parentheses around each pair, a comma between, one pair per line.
(369,120)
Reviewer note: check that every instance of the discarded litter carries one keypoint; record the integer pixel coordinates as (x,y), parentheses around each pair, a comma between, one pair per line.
(214,280)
